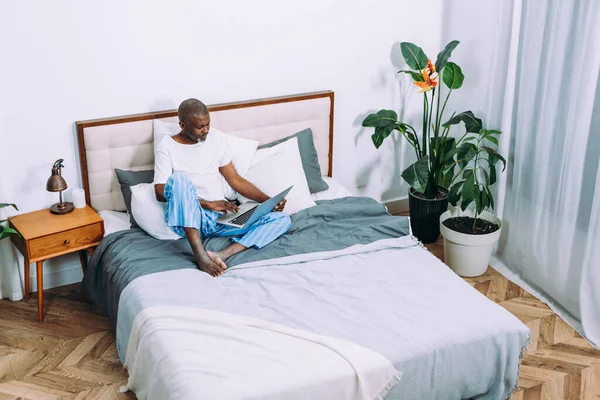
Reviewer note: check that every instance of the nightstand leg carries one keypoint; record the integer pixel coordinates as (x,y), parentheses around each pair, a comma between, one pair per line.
(27,277)
(82,259)
(40,289)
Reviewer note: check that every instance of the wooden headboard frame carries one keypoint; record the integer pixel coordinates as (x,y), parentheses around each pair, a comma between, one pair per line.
(81,125)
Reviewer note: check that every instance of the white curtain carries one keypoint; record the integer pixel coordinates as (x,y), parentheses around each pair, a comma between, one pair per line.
(549,196)
(10,271)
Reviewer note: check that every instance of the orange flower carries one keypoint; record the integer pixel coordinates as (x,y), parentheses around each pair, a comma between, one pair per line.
(429,78)
(430,66)
(424,86)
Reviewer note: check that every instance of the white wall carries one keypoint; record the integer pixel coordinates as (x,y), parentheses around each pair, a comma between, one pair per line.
(70,60)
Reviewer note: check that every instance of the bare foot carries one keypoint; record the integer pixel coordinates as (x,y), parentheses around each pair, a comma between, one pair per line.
(217,258)
(209,266)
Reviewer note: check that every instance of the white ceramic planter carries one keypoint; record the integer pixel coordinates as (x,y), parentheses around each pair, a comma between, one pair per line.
(468,255)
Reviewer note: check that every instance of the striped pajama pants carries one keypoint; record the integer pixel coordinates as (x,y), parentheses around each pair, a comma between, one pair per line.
(183,210)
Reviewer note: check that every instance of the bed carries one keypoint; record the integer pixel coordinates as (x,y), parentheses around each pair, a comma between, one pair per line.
(348,282)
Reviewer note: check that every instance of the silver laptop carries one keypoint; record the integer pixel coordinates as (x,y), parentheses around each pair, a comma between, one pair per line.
(250,211)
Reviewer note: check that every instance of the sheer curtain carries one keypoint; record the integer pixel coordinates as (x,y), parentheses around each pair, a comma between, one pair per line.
(10,275)
(549,196)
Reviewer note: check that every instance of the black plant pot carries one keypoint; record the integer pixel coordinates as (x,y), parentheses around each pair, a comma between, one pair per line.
(425,215)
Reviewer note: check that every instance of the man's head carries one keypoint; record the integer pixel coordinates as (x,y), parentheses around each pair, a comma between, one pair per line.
(194,120)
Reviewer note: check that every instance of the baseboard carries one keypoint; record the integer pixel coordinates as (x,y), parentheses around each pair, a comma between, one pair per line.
(397,205)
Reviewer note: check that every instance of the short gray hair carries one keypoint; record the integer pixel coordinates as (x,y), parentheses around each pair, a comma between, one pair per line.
(190,107)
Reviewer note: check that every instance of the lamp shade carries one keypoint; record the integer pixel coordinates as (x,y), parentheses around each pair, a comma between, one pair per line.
(56,183)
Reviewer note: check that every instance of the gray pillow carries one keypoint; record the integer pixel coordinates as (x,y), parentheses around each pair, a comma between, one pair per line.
(132,178)
(309,157)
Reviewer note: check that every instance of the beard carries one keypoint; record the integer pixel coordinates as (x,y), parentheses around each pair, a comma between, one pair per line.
(194,138)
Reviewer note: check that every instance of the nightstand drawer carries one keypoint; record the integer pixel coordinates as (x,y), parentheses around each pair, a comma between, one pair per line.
(65,241)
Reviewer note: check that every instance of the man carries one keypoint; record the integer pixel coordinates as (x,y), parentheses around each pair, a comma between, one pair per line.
(188,175)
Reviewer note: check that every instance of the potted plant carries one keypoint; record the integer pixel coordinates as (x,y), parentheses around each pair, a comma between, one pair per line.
(429,177)
(471,233)
(5,231)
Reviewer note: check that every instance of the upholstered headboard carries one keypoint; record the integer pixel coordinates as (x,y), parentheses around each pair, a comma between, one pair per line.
(126,142)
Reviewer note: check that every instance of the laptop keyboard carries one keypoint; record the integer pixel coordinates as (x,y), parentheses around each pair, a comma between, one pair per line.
(243,218)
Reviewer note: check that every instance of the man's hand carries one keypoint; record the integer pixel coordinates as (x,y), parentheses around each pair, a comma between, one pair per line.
(219,205)
(280,206)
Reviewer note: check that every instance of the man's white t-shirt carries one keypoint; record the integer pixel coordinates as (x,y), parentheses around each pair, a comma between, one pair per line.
(200,162)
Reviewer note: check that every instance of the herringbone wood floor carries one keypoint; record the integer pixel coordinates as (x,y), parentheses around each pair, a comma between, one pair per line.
(72,354)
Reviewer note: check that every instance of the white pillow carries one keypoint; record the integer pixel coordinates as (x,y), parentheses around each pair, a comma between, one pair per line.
(242,150)
(149,213)
(336,191)
(162,129)
(277,168)
(114,221)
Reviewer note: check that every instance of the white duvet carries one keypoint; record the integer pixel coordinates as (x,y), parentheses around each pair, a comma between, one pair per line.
(392,297)
(180,352)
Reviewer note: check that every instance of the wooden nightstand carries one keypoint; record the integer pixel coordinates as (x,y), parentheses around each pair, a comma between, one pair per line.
(47,235)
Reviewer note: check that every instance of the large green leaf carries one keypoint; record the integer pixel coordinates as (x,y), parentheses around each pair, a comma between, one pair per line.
(445,178)
(495,156)
(478,202)
(380,134)
(417,174)
(449,158)
(466,152)
(6,232)
(444,55)
(469,191)
(381,118)
(417,77)
(2,205)
(490,197)
(483,199)
(454,195)
(384,122)
(449,144)
(486,175)
(472,123)
(492,132)
(453,76)
(493,139)
(492,160)
(413,55)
